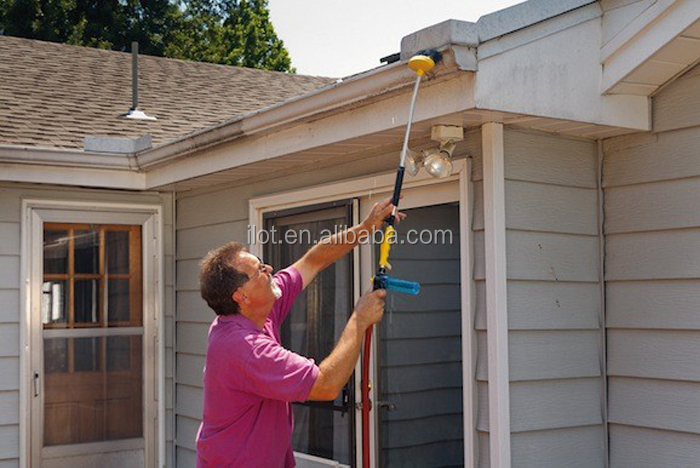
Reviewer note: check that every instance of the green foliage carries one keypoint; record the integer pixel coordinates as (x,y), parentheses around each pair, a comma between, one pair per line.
(231,32)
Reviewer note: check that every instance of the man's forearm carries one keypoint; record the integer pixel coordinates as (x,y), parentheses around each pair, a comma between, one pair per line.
(337,368)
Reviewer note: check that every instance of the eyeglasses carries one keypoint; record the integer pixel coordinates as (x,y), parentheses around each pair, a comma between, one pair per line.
(261,269)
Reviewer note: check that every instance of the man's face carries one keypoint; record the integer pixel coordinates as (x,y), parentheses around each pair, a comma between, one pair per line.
(260,288)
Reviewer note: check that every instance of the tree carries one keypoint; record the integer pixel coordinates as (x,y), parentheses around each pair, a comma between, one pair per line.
(231,32)
(106,24)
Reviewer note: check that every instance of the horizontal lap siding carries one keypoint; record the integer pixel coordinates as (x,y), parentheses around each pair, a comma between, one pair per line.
(652,448)
(554,302)
(10,233)
(652,206)
(204,222)
(577,447)
(548,354)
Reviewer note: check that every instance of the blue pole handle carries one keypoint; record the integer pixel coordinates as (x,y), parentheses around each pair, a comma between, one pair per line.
(403,286)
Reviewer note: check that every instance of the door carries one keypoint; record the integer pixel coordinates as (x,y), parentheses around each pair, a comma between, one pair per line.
(323,430)
(417,392)
(92,345)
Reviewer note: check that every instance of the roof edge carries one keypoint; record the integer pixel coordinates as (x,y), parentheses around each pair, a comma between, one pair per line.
(330,98)
(522,15)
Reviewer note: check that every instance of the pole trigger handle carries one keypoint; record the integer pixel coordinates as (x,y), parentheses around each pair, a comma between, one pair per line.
(382,281)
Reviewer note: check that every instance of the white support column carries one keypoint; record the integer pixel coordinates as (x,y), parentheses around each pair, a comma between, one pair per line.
(496,290)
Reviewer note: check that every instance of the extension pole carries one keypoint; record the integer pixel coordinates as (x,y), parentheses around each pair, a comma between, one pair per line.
(420,64)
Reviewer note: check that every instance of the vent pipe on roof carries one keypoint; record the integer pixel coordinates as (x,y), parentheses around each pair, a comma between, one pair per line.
(135,112)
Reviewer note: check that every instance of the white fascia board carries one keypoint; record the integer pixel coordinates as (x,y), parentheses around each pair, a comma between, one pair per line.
(556,75)
(445,95)
(645,36)
(634,28)
(22,154)
(72,176)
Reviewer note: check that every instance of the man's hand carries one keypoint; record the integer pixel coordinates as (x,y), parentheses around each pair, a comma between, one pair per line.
(380,211)
(370,307)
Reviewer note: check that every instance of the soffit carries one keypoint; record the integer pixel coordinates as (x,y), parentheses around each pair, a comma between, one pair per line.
(385,146)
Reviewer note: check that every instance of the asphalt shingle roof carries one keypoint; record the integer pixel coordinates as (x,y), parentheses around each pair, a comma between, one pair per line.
(53,95)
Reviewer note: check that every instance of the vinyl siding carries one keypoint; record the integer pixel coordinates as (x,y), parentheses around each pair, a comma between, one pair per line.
(11,196)
(652,184)
(554,301)
(208,218)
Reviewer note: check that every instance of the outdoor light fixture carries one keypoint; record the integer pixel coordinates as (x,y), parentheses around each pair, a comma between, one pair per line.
(437,161)
(414,161)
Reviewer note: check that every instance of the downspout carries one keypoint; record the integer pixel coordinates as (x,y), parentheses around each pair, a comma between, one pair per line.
(601,283)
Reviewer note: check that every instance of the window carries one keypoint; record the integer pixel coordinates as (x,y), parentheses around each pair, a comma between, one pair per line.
(92,330)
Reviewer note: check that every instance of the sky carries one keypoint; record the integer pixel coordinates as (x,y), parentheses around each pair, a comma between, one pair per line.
(337,38)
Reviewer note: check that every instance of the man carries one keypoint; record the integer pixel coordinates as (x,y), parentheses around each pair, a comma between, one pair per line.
(249,378)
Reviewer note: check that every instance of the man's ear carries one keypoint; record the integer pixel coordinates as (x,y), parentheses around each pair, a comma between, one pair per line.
(239,297)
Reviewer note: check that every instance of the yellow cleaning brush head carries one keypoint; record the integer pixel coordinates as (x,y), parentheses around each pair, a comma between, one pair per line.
(421,64)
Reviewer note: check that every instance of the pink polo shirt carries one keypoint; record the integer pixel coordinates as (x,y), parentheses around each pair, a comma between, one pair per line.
(249,382)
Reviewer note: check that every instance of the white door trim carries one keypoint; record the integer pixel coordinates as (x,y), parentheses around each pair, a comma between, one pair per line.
(384,183)
(150,217)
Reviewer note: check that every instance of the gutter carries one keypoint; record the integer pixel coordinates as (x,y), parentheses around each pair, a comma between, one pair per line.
(523,15)
(21,154)
(328,98)
(331,98)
